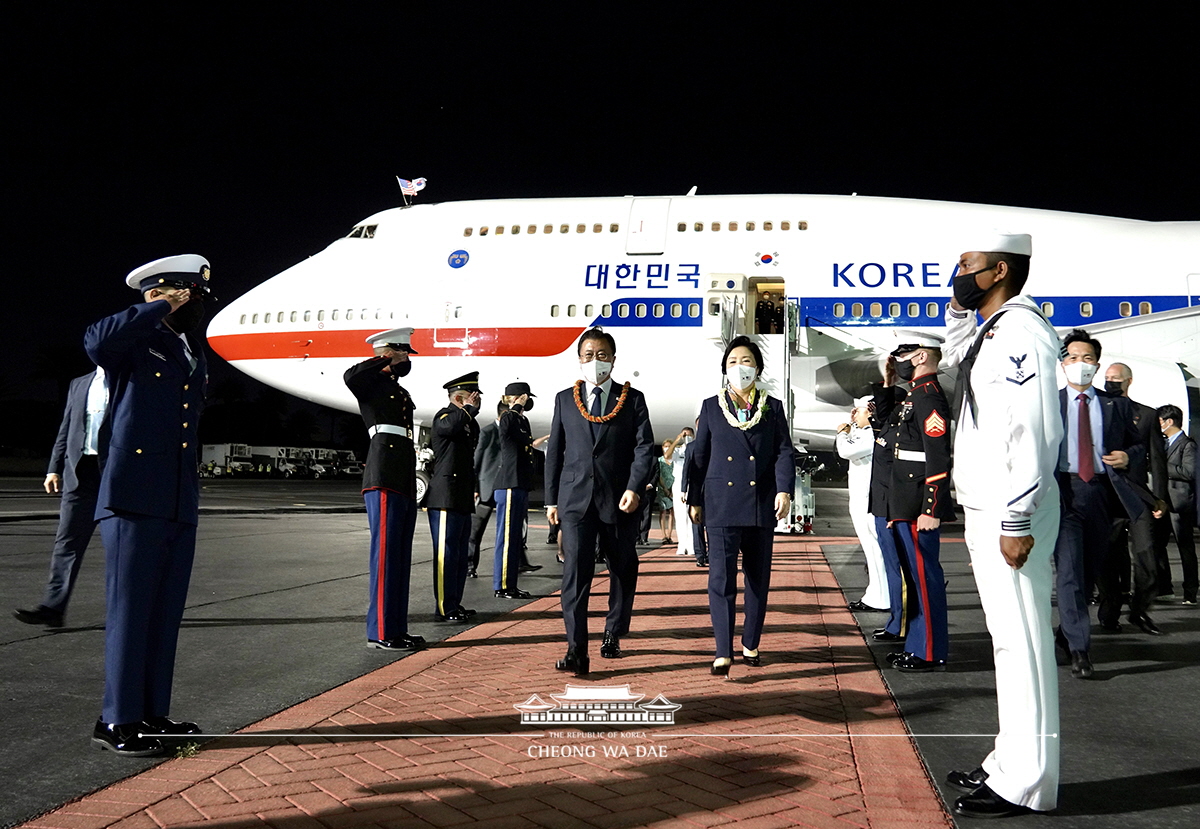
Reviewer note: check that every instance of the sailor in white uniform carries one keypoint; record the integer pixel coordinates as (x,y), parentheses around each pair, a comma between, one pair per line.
(855,443)
(1006,448)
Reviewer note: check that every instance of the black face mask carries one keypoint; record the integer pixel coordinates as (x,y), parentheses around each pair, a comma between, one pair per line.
(402,369)
(528,405)
(967,292)
(1115,387)
(186,318)
(904,370)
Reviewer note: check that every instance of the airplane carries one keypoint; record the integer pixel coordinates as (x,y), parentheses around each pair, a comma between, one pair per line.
(505,287)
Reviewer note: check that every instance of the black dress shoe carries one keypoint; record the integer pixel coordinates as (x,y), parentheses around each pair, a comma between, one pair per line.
(702,562)
(753,661)
(893,656)
(984,802)
(1081,665)
(967,781)
(403,642)
(513,594)
(166,727)
(456,615)
(611,649)
(574,663)
(910,663)
(1145,624)
(530,568)
(859,607)
(885,636)
(1112,626)
(123,739)
(466,611)
(471,573)
(41,615)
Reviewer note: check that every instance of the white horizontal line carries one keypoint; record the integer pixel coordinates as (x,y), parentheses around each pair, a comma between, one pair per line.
(656,735)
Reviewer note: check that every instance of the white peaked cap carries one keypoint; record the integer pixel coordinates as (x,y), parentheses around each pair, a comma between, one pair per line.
(863,402)
(393,336)
(997,242)
(916,339)
(169,267)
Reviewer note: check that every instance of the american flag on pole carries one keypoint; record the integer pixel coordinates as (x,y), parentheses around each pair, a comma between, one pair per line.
(410,188)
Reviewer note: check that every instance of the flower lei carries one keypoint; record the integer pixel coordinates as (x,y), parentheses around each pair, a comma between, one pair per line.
(603,418)
(723,405)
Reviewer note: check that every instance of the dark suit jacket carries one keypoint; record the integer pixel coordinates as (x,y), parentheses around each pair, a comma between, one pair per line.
(581,471)
(155,398)
(68,446)
(1120,433)
(1149,467)
(736,473)
(487,459)
(1181,473)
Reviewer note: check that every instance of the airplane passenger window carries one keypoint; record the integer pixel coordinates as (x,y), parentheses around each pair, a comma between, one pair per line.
(693,309)
(614,227)
(658,310)
(733,225)
(242,321)
(894,309)
(516,229)
(548,229)
(292,317)
(622,311)
(749,225)
(606,310)
(378,313)
(676,310)
(307,316)
(279,317)
(639,310)
(716,226)
(931,309)
(320,316)
(499,230)
(767,226)
(349,313)
(1144,308)
(333,316)
(570,310)
(589,310)
(466,231)
(785,225)
(564,229)
(876,309)
(714,307)
(681,227)
(856,309)
(554,310)
(362,315)
(801,225)
(596,228)
(267,317)
(1048,308)
(1126,309)
(839,309)
(581,228)
(531,229)
(254,319)
(483,231)
(914,309)
(698,226)
(1085,309)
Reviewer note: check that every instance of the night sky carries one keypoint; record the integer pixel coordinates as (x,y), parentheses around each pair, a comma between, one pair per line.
(258,138)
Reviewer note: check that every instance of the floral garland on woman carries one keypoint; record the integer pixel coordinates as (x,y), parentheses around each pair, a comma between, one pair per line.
(603,418)
(731,418)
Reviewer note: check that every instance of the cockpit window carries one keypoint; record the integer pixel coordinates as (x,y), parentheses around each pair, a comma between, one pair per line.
(363,232)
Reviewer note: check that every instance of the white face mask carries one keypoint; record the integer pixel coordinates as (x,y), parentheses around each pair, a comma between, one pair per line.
(596,371)
(741,377)
(1080,374)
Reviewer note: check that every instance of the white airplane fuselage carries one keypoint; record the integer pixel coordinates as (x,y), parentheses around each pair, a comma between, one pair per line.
(506,287)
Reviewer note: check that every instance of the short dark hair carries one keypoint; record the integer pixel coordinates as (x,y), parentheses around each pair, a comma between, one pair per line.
(596,333)
(739,342)
(1171,412)
(1018,266)
(501,408)
(1078,335)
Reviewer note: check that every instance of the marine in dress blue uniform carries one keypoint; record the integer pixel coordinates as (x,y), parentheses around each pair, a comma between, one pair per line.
(514,479)
(148,502)
(743,474)
(902,597)
(450,500)
(918,498)
(389,485)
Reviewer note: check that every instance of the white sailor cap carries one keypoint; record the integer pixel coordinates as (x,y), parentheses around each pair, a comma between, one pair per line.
(398,339)
(997,242)
(184,271)
(863,402)
(909,340)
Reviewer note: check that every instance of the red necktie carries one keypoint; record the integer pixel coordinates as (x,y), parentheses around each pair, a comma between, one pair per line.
(1087,467)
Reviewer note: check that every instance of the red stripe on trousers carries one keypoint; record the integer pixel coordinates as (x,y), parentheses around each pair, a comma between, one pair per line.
(924,592)
(381,567)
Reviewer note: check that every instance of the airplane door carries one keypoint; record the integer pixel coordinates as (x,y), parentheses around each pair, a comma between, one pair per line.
(451,333)
(647,233)
(1193,283)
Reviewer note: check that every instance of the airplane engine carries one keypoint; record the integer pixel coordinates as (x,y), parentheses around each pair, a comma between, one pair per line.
(839,382)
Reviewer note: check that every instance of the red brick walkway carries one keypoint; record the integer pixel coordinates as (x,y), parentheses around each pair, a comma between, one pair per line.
(810,739)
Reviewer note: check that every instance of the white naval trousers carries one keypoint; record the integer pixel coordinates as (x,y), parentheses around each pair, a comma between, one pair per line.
(1023,766)
(683,524)
(868,538)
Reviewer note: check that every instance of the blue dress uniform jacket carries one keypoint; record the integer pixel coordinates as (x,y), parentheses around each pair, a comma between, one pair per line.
(920,438)
(391,458)
(155,401)
(516,469)
(736,474)
(452,486)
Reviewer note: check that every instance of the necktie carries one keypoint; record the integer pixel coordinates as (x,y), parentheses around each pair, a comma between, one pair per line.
(1087,468)
(597,411)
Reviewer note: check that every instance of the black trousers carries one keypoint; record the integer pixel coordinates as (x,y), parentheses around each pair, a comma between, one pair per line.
(619,543)
(1129,542)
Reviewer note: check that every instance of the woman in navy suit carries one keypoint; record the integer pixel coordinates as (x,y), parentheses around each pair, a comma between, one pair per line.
(740,483)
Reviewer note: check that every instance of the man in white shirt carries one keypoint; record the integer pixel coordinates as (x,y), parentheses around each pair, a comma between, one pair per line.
(855,442)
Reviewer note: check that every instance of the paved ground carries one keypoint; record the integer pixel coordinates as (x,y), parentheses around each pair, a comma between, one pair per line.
(272,641)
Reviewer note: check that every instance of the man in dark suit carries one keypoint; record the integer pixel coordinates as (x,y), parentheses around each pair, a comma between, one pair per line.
(451,497)
(1148,471)
(487,461)
(599,455)
(1181,474)
(1093,460)
(149,499)
(75,469)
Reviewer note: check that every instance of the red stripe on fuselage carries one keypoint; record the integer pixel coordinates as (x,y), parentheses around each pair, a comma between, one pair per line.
(459,342)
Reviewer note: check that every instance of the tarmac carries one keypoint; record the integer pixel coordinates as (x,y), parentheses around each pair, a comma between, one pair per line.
(316,730)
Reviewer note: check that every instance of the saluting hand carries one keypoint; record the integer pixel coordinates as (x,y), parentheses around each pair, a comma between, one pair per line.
(1016,549)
